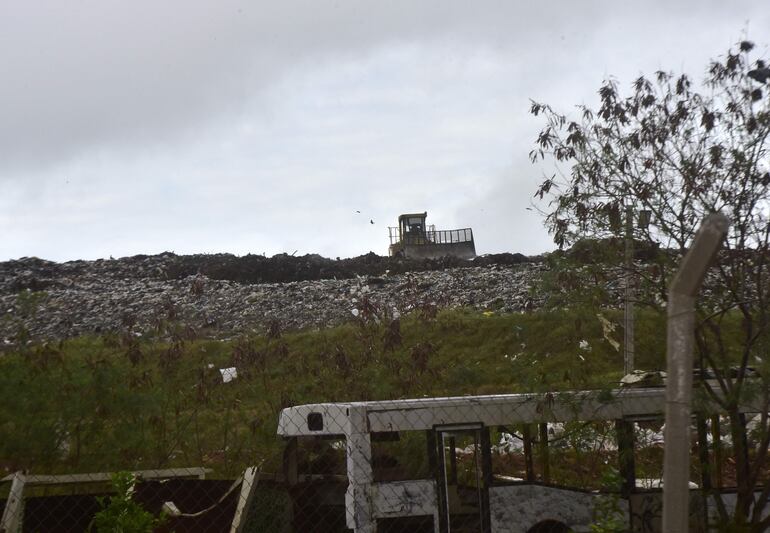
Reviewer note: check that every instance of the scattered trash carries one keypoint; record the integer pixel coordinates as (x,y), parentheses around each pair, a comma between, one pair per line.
(652,378)
(170,509)
(657,483)
(228,374)
(509,443)
(608,328)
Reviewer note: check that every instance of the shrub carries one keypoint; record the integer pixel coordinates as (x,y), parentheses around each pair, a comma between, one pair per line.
(122,514)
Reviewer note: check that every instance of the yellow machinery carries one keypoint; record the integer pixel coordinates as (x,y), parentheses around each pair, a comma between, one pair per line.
(413,238)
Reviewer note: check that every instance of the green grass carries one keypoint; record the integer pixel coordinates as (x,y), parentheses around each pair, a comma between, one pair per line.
(81,405)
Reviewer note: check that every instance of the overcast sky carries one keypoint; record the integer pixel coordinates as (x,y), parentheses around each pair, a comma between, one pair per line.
(263,127)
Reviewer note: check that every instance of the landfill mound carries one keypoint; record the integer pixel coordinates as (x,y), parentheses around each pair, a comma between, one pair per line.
(284,268)
(220,295)
(38,274)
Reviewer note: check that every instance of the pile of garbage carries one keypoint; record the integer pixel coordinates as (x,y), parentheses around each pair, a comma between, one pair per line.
(222,295)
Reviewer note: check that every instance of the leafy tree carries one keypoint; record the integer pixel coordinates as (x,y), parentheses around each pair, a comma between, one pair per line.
(683,150)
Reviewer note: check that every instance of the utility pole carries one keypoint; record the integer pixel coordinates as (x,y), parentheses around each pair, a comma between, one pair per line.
(628,318)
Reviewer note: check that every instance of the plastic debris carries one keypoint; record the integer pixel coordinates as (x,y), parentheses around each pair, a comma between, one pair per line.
(228,374)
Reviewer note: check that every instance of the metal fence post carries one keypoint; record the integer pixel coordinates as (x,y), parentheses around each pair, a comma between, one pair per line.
(680,341)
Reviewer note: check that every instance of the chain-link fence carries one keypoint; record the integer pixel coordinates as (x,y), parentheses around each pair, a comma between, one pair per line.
(552,462)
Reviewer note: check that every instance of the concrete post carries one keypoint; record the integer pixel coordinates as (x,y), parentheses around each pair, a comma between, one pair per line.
(14,506)
(358,502)
(681,338)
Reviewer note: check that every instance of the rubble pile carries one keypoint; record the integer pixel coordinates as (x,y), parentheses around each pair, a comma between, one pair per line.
(222,295)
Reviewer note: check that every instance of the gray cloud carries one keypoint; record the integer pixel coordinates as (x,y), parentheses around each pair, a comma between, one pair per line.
(89,72)
(243,126)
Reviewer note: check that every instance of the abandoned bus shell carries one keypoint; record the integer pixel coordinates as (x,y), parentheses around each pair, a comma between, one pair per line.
(413,239)
(480,501)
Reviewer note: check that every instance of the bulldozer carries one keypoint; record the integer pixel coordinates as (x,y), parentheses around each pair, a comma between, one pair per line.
(413,239)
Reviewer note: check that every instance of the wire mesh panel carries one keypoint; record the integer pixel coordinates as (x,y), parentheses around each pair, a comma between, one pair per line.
(562,461)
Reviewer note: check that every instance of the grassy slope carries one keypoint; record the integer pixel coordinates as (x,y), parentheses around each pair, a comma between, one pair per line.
(83,406)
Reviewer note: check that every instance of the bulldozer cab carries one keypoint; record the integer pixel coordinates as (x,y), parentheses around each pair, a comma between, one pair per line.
(412,227)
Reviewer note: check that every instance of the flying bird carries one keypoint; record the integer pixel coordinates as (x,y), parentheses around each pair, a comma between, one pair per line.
(357,211)
(761,73)
(371,221)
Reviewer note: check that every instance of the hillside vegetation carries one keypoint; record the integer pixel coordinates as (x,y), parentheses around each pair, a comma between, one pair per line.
(121,401)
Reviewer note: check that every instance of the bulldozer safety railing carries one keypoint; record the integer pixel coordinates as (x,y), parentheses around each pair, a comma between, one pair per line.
(431,236)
